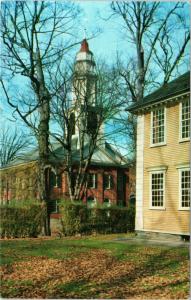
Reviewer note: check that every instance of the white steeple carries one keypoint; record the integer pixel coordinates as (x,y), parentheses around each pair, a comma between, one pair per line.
(84,83)
(84,92)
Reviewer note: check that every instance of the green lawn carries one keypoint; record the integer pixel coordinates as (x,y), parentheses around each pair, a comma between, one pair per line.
(92,267)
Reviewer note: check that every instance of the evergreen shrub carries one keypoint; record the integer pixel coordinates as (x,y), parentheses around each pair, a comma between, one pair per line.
(21,219)
(77,218)
(73,217)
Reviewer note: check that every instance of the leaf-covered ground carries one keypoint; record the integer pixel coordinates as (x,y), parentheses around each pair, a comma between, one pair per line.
(93,267)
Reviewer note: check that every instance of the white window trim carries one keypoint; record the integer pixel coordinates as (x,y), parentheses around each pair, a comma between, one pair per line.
(180,169)
(181,140)
(158,168)
(109,185)
(56,211)
(151,129)
(164,189)
(183,166)
(94,181)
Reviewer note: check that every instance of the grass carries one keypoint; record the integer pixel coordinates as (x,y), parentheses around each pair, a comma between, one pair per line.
(92,267)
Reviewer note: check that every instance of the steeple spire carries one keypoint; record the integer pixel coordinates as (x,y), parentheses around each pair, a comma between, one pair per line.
(84,46)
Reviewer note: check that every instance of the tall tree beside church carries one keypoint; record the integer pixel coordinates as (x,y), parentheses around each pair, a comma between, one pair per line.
(84,100)
(159,33)
(34,36)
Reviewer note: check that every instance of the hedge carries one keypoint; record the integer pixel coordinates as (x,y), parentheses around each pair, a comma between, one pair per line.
(77,218)
(21,219)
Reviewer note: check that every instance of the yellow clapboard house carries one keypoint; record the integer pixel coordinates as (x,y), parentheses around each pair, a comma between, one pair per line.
(163,168)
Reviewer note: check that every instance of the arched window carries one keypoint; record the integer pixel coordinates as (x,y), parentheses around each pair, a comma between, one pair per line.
(132,199)
(107,202)
(52,179)
(55,180)
(91,201)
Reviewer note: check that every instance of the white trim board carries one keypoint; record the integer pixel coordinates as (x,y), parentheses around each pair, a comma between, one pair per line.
(139,173)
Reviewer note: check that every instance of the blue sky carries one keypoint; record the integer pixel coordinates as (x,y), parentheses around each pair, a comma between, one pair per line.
(105,45)
(109,40)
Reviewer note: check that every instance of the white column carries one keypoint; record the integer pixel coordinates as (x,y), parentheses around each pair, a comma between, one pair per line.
(139,173)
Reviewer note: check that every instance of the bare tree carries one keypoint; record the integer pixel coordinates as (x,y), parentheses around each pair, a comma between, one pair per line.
(150,29)
(80,111)
(12,144)
(35,35)
(157,34)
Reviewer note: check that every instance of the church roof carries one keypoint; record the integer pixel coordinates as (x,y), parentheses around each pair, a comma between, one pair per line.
(104,155)
(84,46)
(84,54)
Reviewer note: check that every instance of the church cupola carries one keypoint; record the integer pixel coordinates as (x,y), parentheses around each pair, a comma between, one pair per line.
(85,111)
(85,78)
(84,60)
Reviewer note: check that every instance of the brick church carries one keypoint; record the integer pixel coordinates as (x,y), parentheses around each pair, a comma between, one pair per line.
(111,180)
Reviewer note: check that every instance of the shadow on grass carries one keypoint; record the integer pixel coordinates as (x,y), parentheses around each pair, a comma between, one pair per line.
(120,286)
(166,262)
(74,289)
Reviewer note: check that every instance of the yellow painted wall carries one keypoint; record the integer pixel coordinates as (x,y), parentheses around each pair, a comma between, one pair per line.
(19,182)
(171,219)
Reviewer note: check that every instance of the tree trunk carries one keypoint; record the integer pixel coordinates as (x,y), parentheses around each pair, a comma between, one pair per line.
(43,143)
(43,138)
(140,56)
(140,80)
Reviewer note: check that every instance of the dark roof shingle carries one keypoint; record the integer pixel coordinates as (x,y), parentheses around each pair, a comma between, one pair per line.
(173,88)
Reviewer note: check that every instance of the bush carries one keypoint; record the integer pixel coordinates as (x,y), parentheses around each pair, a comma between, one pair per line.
(21,219)
(77,218)
(74,216)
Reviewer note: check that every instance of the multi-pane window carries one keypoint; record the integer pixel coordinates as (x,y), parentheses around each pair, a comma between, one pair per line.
(92,180)
(185,119)
(158,126)
(53,206)
(157,189)
(108,181)
(185,188)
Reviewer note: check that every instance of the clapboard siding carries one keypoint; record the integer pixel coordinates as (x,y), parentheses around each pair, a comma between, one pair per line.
(170,155)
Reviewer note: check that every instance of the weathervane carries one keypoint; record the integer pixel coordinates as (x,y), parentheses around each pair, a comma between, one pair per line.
(85,32)
(85,28)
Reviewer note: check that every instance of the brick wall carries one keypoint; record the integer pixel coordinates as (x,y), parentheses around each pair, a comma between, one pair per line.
(21,182)
(100,193)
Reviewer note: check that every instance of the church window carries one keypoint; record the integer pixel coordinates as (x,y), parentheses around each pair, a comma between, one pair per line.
(92,181)
(107,202)
(92,122)
(108,181)
(91,202)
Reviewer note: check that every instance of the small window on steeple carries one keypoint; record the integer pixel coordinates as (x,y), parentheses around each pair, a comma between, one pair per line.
(92,122)
(72,124)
